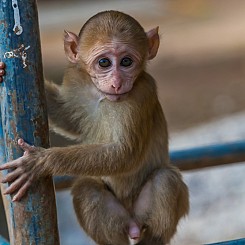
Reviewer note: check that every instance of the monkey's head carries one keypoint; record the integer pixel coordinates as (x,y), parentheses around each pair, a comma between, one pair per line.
(113,48)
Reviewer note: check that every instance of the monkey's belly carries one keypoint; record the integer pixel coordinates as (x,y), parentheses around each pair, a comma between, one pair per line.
(125,189)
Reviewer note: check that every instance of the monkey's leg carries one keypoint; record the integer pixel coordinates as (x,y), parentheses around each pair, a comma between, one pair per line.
(149,240)
(163,200)
(100,214)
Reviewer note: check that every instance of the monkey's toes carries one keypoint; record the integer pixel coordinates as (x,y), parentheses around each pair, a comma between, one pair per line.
(134,231)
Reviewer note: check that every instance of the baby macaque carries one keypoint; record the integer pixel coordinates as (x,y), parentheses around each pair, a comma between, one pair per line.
(126,192)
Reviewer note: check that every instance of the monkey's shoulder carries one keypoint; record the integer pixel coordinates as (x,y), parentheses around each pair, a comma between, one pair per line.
(145,89)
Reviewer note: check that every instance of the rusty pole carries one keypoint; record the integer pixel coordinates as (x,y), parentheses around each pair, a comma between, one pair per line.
(23,115)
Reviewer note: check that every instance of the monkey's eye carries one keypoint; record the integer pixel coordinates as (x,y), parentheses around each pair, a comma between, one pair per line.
(126,61)
(104,62)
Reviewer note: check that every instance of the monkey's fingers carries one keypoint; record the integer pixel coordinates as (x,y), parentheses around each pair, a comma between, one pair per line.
(12,175)
(26,147)
(2,65)
(13,164)
(2,71)
(17,184)
(22,191)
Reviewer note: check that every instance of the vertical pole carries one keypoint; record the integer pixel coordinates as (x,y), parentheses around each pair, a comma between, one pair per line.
(2,160)
(23,115)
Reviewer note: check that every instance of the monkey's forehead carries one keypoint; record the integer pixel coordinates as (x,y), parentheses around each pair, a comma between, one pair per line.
(111,48)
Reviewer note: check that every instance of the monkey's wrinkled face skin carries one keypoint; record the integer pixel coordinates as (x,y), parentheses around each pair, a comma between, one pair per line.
(113,68)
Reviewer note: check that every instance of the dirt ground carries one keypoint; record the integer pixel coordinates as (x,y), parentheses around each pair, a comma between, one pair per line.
(194,94)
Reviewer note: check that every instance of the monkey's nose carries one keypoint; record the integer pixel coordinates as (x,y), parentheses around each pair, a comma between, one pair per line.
(116,87)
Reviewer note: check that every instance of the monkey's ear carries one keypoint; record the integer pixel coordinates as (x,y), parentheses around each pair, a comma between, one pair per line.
(154,41)
(70,46)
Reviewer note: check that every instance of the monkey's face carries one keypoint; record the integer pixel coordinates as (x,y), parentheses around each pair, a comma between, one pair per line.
(113,61)
(114,67)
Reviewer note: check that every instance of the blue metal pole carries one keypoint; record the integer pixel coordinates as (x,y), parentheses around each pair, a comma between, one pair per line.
(6,199)
(23,115)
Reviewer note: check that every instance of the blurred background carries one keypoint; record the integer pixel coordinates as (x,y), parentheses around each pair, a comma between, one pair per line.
(200,73)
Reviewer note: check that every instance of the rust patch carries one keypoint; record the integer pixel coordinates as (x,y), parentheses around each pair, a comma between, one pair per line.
(41,130)
(4,23)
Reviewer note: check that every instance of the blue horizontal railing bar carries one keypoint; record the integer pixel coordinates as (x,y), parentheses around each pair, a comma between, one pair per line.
(3,241)
(233,242)
(62,182)
(190,159)
(208,156)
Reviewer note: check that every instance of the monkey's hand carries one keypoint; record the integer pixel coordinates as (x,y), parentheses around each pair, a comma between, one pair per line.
(24,170)
(2,71)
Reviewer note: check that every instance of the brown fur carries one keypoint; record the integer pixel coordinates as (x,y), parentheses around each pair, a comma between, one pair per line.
(122,153)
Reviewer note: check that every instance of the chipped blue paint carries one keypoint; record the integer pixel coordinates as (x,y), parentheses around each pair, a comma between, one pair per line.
(9,207)
(3,241)
(35,228)
(23,114)
(2,146)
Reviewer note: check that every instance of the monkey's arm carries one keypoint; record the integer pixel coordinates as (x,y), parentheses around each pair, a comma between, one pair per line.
(59,113)
(93,160)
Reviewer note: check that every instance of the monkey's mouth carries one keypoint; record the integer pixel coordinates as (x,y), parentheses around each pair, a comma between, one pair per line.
(114,97)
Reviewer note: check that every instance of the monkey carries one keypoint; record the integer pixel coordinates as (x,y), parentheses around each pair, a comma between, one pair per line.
(126,190)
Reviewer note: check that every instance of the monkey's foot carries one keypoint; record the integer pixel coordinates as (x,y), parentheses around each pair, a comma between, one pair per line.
(134,233)
(133,241)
